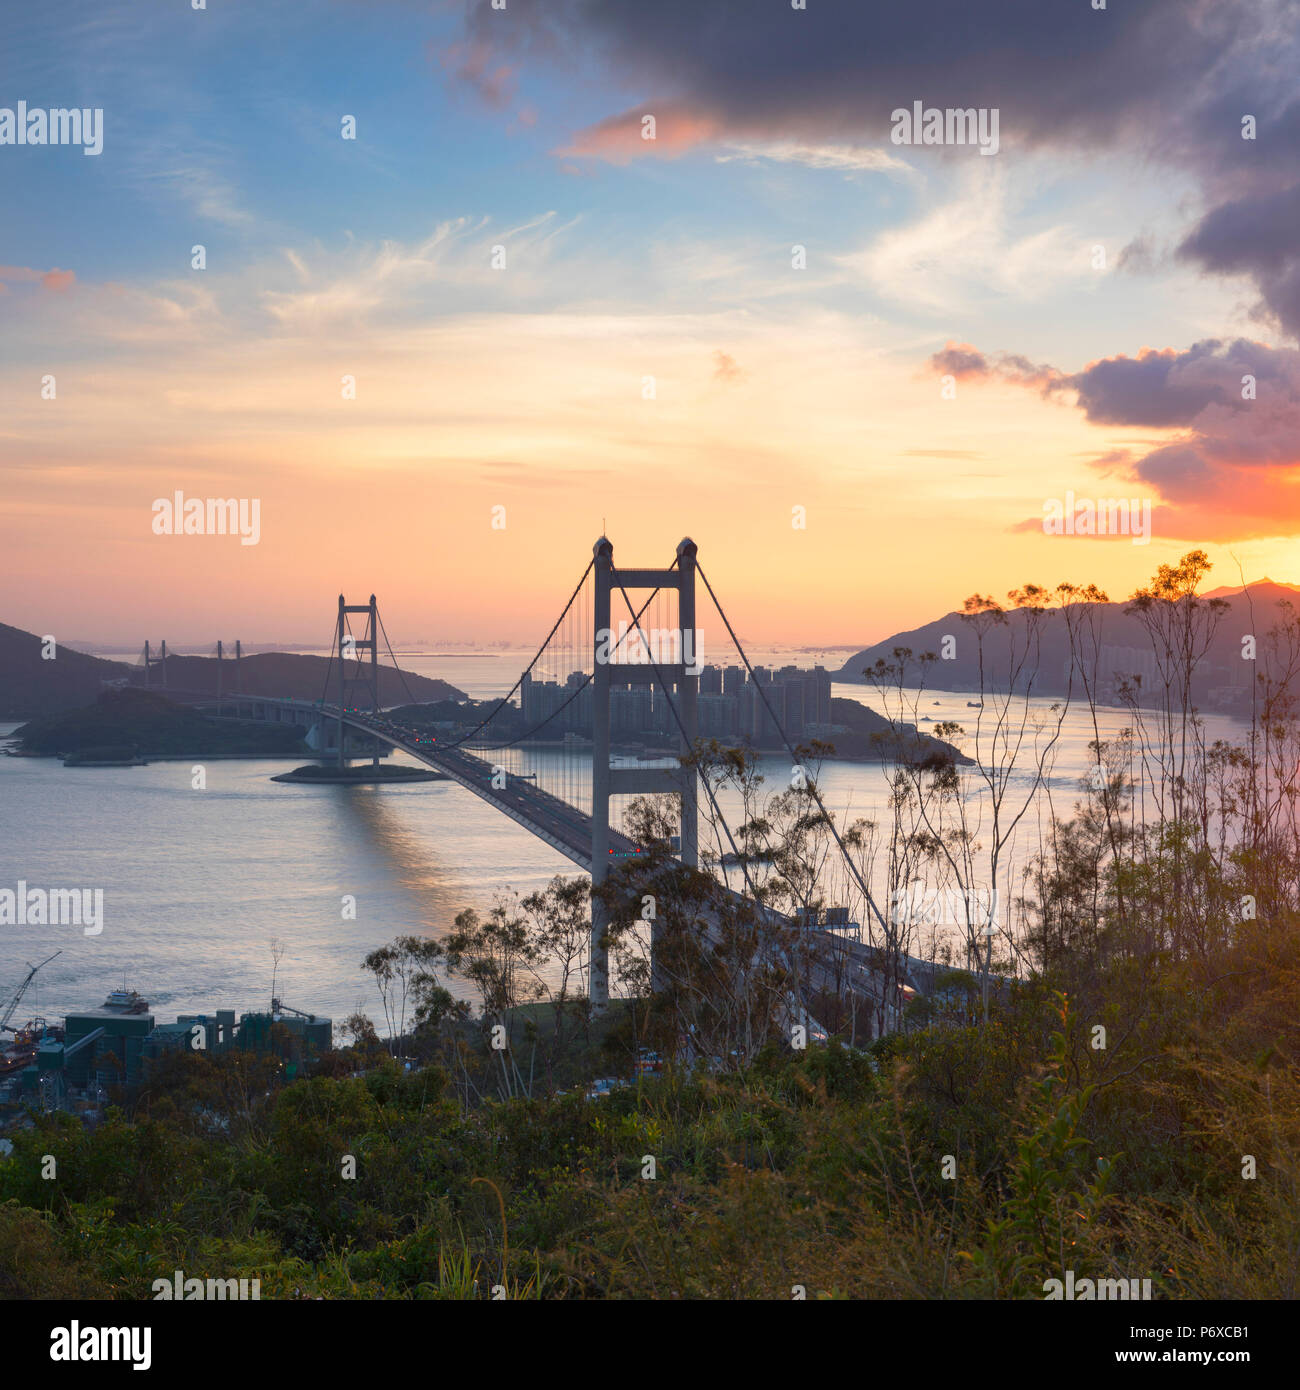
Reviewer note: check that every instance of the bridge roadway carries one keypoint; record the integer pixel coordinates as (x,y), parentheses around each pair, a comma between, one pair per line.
(562,826)
(568,830)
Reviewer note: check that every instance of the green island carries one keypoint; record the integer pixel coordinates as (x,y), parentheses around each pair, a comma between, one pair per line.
(359,774)
(129,724)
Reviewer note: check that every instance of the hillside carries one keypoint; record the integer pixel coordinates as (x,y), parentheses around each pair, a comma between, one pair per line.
(872,738)
(31,686)
(146,723)
(1222,681)
(298,678)
(1263,589)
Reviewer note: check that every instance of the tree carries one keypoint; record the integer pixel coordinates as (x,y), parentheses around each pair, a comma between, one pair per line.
(404,974)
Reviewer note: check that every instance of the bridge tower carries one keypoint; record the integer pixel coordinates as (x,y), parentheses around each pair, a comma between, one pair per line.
(683,674)
(221,656)
(365,683)
(160,661)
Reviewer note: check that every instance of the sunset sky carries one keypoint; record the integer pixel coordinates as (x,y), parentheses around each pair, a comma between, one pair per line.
(626,258)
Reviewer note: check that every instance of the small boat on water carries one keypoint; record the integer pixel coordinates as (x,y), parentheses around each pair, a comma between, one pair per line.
(126,1001)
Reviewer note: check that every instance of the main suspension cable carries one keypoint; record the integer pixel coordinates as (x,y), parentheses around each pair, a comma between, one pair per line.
(528,669)
(812,784)
(587,680)
(741,859)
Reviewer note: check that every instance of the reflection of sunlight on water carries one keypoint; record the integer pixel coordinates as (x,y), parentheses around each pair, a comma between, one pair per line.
(197,883)
(410,857)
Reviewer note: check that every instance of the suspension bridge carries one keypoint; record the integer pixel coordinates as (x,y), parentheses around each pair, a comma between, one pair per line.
(544,754)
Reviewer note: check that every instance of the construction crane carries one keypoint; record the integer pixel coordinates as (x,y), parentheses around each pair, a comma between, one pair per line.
(278,1007)
(5,1026)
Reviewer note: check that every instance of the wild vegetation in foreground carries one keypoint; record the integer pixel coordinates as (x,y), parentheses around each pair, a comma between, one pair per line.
(827,1170)
(1108,1087)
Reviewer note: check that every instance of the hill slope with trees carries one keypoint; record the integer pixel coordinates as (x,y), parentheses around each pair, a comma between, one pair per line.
(32,684)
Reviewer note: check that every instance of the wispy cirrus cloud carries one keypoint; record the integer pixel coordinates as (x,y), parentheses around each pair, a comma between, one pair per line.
(973,247)
(846,159)
(450,268)
(194,172)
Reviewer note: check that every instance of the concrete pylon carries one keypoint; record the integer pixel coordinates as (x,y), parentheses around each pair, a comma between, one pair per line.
(603,572)
(374,671)
(342,625)
(681,679)
(160,661)
(368,641)
(688,700)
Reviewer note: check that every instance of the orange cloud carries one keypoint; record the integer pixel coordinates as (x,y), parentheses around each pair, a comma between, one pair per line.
(620,139)
(964,362)
(725,368)
(53,279)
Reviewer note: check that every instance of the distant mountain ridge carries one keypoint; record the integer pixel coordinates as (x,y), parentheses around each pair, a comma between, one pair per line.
(298,677)
(1264,586)
(31,686)
(1223,680)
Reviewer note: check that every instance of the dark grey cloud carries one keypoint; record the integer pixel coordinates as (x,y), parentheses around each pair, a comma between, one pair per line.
(1157,389)
(1061,73)
(1160,390)
(1259,235)
(1230,472)
(960,360)
(1252,233)
(1162,80)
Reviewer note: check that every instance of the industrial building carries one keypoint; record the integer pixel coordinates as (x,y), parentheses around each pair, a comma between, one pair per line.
(117,1042)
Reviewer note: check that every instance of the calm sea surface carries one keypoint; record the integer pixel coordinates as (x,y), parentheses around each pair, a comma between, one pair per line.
(197,883)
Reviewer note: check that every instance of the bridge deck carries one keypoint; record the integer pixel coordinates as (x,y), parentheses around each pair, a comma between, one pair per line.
(562,826)
(566,828)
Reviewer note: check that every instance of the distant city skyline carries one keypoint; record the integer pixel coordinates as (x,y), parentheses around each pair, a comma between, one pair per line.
(794,702)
